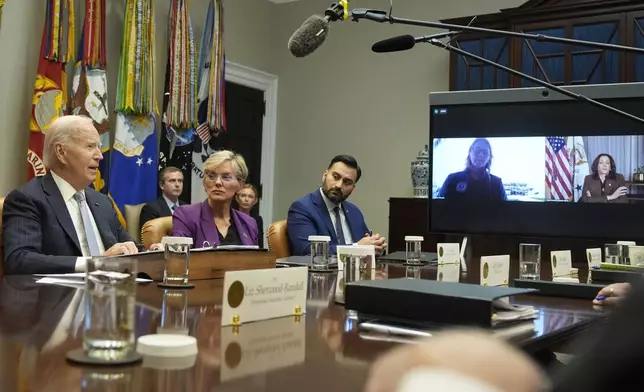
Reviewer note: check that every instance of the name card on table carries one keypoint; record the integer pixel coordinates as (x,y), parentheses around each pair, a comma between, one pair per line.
(254,295)
(495,270)
(262,347)
(636,255)
(561,262)
(367,255)
(594,257)
(448,253)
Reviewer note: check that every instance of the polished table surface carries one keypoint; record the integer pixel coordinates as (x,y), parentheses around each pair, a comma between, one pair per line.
(321,351)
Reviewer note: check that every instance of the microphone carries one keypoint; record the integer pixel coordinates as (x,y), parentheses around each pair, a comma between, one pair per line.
(406,42)
(312,34)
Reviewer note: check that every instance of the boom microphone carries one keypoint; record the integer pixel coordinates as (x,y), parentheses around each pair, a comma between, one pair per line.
(313,32)
(406,42)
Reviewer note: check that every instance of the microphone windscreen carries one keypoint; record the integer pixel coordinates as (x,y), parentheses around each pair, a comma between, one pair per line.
(395,44)
(309,36)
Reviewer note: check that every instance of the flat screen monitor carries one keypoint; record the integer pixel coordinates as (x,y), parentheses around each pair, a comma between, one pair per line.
(532,162)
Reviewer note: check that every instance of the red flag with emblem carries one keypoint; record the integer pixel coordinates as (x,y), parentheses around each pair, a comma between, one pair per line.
(50,89)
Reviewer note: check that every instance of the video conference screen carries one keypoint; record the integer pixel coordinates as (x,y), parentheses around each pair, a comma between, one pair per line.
(538,169)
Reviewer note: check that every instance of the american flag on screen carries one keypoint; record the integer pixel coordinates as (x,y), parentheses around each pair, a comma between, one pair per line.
(558,169)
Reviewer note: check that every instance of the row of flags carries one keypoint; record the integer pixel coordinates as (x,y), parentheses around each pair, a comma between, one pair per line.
(192,113)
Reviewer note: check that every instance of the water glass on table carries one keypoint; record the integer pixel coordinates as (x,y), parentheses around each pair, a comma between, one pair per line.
(177,260)
(530,261)
(319,252)
(413,249)
(110,290)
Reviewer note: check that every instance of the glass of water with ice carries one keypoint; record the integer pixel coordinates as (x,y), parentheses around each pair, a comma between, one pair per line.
(110,294)
(319,252)
(530,261)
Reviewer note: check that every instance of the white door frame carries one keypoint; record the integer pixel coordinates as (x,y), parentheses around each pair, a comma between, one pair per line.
(259,80)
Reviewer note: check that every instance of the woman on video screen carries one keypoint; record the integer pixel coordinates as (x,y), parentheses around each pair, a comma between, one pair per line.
(604,185)
(475,182)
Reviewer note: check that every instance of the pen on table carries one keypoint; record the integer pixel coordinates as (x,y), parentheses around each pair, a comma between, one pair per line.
(392,330)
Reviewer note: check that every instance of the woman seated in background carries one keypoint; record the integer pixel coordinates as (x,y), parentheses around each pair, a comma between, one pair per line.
(246,199)
(213,221)
(604,185)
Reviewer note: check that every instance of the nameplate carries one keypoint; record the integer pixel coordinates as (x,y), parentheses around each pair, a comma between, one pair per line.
(561,262)
(594,257)
(636,255)
(495,270)
(366,254)
(448,253)
(261,347)
(263,294)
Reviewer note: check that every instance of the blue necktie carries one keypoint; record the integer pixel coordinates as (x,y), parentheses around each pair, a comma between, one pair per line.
(338,226)
(92,241)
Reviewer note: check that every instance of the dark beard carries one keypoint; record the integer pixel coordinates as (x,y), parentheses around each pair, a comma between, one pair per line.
(336,197)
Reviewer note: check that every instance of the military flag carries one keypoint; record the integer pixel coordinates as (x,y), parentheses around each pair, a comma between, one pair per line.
(133,171)
(212,95)
(50,89)
(180,96)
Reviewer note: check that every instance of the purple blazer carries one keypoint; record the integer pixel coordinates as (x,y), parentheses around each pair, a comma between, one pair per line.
(197,221)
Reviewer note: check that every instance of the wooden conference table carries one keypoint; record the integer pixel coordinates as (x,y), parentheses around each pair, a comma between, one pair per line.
(321,351)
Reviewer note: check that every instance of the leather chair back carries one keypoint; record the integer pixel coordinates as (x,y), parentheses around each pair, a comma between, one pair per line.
(155,229)
(1,243)
(132,217)
(278,239)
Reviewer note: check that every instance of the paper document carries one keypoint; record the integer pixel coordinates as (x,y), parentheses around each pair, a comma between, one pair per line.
(74,279)
(505,312)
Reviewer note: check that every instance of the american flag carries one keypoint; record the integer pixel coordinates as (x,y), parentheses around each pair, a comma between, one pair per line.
(558,169)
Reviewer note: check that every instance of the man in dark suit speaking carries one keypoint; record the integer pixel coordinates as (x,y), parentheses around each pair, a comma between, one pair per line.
(326,212)
(171,184)
(54,222)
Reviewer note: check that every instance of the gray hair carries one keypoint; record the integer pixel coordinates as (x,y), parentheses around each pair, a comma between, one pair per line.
(62,131)
(237,161)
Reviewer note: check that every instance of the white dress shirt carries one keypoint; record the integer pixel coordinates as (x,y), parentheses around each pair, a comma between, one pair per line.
(67,191)
(171,204)
(345,225)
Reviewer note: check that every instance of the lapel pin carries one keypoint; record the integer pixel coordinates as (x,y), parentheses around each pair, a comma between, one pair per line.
(245,235)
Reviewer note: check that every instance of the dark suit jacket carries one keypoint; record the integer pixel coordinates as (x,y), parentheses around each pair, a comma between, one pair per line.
(260,227)
(155,209)
(310,216)
(39,236)
(594,186)
(196,221)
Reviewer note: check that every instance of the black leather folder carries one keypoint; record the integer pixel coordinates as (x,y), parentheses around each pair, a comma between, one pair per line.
(615,276)
(427,300)
(560,289)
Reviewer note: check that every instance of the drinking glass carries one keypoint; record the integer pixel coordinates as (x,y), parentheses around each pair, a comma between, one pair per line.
(319,252)
(614,253)
(110,294)
(530,261)
(177,260)
(413,249)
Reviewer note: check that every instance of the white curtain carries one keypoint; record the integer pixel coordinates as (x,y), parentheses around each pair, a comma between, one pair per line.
(628,151)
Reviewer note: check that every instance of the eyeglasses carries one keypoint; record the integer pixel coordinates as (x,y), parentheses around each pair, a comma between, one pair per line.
(226,177)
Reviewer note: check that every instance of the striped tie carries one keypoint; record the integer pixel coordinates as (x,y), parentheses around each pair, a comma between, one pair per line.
(92,241)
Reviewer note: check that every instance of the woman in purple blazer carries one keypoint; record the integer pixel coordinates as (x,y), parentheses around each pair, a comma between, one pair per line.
(213,221)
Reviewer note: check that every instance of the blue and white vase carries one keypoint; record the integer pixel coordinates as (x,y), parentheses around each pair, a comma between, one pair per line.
(420,173)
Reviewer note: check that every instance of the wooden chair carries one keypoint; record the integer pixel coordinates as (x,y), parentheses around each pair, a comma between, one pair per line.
(155,229)
(278,239)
